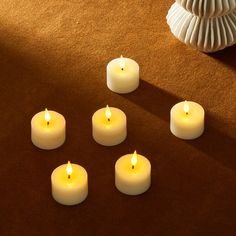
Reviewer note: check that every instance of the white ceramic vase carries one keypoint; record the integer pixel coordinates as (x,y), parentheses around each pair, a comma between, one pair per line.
(208,8)
(200,27)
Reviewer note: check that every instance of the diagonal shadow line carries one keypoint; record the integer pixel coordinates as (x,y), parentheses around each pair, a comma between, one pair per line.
(213,142)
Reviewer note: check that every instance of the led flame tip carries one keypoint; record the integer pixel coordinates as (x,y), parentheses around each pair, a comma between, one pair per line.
(134,159)
(47,116)
(186,107)
(122,63)
(108,113)
(69,169)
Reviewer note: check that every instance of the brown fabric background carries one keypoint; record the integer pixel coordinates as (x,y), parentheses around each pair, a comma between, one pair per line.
(53,54)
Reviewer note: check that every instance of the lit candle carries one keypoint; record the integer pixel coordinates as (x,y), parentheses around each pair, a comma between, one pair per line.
(48,129)
(187,120)
(109,126)
(69,184)
(133,174)
(122,75)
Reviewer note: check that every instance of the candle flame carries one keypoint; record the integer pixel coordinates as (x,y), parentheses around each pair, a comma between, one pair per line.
(47,115)
(134,159)
(108,113)
(122,63)
(69,169)
(186,107)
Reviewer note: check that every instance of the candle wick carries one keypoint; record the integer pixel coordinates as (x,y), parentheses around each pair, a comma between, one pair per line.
(109,119)
(186,113)
(132,166)
(68,176)
(47,122)
(122,68)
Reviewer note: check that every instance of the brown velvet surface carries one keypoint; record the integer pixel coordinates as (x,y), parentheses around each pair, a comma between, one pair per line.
(53,54)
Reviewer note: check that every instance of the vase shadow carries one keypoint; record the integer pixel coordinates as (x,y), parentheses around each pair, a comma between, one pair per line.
(226,56)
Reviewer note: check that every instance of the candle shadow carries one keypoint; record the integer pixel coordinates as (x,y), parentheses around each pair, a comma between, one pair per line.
(213,142)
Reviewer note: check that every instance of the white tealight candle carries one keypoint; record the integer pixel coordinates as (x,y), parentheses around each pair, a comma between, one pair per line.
(69,184)
(122,75)
(109,126)
(48,129)
(133,174)
(187,120)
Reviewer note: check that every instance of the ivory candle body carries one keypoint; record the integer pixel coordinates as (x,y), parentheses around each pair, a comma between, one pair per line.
(69,191)
(48,135)
(109,131)
(122,76)
(188,125)
(132,181)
